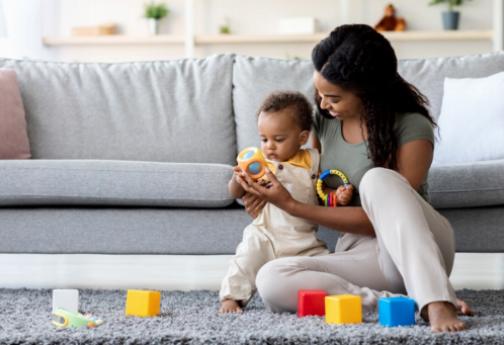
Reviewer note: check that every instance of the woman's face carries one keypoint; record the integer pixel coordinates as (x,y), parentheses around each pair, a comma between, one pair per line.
(338,102)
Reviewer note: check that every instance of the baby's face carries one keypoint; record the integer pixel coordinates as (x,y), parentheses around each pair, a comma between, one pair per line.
(281,136)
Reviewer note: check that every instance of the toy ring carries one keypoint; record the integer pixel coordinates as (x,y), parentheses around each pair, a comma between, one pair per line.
(329,199)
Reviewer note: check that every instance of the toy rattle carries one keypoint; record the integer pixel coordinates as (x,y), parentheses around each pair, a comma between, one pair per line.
(251,160)
(67,319)
(330,198)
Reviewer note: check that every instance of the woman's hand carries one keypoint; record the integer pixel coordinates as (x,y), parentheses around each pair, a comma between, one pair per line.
(253,204)
(273,191)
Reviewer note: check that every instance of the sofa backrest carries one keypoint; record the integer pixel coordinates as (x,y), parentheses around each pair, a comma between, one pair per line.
(428,74)
(253,79)
(188,110)
(172,111)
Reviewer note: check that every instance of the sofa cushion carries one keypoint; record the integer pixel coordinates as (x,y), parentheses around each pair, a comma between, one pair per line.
(465,136)
(467,185)
(253,79)
(84,230)
(14,142)
(428,74)
(166,111)
(58,230)
(116,183)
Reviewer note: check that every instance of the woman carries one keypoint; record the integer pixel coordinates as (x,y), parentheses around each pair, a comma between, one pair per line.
(376,128)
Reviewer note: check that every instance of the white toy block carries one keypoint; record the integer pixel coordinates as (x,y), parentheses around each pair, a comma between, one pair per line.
(66,299)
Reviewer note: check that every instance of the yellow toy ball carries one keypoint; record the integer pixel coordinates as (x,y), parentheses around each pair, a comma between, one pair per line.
(251,160)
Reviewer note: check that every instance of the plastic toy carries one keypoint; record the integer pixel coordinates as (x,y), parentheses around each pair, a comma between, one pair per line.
(67,319)
(396,311)
(311,302)
(66,299)
(330,198)
(251,160)
(143,303)
(341,309)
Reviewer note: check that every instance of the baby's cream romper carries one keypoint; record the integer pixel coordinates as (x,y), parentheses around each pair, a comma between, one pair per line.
(275,233)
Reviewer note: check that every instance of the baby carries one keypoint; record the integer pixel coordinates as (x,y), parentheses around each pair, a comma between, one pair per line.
(284,122)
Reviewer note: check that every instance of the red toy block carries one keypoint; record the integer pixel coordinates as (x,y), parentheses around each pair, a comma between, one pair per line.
(311,302)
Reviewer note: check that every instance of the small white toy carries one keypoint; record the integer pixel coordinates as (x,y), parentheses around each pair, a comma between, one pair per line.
(66,299)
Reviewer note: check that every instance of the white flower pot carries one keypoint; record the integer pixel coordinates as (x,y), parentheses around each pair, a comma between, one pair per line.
(153,26)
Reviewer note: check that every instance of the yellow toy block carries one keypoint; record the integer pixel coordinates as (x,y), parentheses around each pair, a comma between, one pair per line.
(340,309)
(143,303)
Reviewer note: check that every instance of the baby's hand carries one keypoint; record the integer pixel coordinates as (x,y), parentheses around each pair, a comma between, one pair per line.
(344,194)
(238,176)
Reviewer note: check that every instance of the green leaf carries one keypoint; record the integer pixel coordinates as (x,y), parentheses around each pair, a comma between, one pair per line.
(156,10)
(451,3)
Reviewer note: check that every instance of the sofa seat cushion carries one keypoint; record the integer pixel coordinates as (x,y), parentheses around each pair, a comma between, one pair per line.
(467,185)
(113,183)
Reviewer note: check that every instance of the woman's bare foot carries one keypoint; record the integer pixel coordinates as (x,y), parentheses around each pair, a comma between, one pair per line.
(229,306)
(463,308)
(443,316)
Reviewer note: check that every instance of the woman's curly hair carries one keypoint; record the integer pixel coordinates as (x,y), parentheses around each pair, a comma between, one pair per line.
(359,59)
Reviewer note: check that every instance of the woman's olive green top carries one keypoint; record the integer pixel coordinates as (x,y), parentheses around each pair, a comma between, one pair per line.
(353,159)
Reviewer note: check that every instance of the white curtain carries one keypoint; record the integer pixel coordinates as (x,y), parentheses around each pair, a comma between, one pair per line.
(3,31)
(24,27)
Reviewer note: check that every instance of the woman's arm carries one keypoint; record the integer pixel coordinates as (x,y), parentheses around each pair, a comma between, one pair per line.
(346,219)
(351,219)
(413,160)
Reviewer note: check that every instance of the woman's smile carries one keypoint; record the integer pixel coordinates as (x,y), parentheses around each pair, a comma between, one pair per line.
(334,114)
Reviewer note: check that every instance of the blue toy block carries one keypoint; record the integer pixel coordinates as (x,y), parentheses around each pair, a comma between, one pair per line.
(396,311)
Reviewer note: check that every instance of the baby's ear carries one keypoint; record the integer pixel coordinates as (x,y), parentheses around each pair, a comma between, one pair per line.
(303,137)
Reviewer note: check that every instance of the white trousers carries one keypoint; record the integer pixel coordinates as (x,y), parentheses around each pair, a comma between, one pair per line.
(412,253)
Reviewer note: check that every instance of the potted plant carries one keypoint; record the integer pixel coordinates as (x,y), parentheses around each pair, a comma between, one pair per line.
(154,12)
(225,28)
(450,17)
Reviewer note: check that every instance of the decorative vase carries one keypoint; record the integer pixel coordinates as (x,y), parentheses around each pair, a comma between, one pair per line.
(153,26)
(451,20)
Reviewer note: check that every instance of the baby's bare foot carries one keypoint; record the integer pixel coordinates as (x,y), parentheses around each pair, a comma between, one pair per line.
(229,306)
(443,317)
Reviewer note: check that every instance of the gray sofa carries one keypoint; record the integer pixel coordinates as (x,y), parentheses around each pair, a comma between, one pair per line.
(134,158)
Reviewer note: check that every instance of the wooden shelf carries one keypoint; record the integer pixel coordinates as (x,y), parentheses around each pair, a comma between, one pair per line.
(112,40)
(406,36)
(252,39)
(392,36)
(456,35)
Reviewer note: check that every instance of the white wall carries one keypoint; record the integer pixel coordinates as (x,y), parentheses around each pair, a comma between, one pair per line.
(30,20)
(127,13)
(24,27)
(261,16)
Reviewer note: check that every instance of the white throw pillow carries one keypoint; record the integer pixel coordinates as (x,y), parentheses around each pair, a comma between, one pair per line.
(471,123)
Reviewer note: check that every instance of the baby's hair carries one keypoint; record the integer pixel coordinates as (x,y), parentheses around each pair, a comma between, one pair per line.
(281,100)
